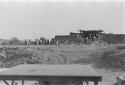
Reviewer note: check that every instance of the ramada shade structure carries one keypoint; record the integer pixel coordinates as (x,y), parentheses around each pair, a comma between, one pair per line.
(91,31)
(51,73)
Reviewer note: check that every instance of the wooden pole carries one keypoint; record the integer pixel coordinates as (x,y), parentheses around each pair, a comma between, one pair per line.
(87,83)
(41,82)
(95,82)
(22,82)
(12,83)
(6,82)
(84,83)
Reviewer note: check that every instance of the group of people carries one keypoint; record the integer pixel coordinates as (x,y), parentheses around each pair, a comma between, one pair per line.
(37,42)
(86,38)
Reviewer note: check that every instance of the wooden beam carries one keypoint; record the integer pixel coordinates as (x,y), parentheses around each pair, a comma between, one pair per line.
(63,78)
(6,82)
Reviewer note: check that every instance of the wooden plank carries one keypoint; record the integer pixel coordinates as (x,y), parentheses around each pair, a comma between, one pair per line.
(57,78)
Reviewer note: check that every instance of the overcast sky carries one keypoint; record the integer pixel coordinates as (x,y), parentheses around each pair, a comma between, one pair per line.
(48,18)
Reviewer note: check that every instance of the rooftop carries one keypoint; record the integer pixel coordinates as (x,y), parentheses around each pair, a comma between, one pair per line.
(50,70)
(95,31)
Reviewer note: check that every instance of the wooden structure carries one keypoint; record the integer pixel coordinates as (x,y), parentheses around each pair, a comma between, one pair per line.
(67,39)
(62,39)
(51,74)
(90,36)
(74,38)
(83,37)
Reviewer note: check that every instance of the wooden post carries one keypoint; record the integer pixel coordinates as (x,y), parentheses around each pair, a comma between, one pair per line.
(41,82)
(6,82)
(22,82)
(87,83)
(16,83)
(47,83)
(12,83)
(95,82)
(83,83)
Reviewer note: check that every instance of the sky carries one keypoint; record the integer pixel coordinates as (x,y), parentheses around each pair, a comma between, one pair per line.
(33,19)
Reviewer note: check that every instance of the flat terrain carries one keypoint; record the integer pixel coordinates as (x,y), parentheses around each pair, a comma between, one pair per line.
(107,60)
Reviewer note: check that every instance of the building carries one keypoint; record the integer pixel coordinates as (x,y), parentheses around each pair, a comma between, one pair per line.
(91,36)
(83,37)
(62,39)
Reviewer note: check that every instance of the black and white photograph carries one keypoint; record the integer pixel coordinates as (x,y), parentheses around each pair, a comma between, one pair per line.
(62,42)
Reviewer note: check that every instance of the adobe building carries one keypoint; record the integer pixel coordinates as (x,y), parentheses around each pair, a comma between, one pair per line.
(83,37)
(91,36)
(62,39)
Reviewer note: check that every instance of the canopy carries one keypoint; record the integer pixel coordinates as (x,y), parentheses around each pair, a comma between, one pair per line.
(44,71)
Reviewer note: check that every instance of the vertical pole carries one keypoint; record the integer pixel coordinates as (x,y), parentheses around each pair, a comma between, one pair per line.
(22,82)
(41,82)
(12,82)
(99,39)
(95,82)
(47,83)
(16,83)
(83,83)
(87,83)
